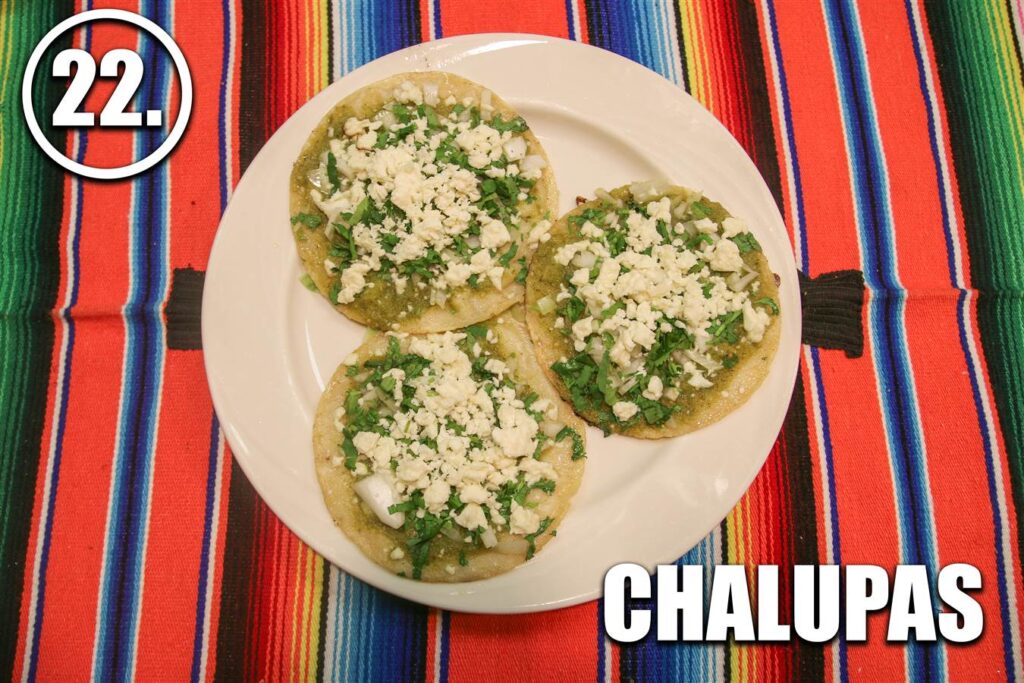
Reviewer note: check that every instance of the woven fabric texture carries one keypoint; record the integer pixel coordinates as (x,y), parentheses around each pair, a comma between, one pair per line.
(892,136)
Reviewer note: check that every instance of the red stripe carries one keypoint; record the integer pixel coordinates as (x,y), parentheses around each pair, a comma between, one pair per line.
(545,17)
(559,643)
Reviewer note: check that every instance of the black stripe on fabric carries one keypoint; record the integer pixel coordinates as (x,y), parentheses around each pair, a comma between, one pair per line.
(184,310)
(681,50)
(235,629)
(807,661)
(595,23)
(31,330)
(763,150)
(252,133)
(325,595)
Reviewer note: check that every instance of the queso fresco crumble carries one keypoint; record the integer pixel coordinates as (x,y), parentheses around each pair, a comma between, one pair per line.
(442,440)
(425,197)
(659,297)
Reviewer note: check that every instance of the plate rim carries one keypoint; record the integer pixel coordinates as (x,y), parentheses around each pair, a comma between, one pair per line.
(448,601)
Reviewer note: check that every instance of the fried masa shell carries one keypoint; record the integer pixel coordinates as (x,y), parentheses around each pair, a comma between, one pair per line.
(731,388)
(377,540)
(465,306)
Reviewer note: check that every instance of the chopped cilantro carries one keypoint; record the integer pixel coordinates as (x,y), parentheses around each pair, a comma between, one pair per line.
(724,328)
(523,270)
(578,450)
(507,257)
(746,242)
(768,303)
(531,539)
(332,172)
(574,308)
(516,125)
(351,454)
(307,219)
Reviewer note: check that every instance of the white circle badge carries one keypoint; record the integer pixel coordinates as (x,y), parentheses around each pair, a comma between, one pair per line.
(184,111)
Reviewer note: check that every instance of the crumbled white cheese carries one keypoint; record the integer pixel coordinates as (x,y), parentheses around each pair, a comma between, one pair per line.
(458,436)
(624,410)
(437,200)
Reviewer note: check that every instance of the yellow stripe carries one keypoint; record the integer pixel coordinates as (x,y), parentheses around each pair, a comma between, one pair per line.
(1000,29)
(692,59)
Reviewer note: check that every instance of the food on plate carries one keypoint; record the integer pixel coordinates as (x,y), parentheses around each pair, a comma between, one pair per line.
(653,310)
(449,456)
(418,201)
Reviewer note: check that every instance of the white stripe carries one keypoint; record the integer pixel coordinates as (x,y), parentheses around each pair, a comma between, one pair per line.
(336,34)
(211,557)
(574,19)
(438,650)
(229,102)
(1017,14)
(334,638)
(672,28)
(431,28)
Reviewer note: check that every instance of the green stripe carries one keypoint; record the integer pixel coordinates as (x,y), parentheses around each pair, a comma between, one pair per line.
(31,196)
(980,75)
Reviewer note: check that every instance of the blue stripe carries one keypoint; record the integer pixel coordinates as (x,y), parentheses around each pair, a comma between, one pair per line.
(204,556)
(211,472)
(976,391)
(144,347)
(68,319)
(568,19)
(886,308)
(816,376)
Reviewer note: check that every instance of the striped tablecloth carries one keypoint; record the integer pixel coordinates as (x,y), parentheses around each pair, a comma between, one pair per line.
(892,135)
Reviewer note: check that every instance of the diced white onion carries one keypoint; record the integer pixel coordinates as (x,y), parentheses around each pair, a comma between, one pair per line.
(604,195)
(379,495)
(545,305)
(387,117)
(704,361)
(489,538)
(551,428)
(532,162)
(584,259)
(647,190)
(430,93)
(738,282)
(515,149)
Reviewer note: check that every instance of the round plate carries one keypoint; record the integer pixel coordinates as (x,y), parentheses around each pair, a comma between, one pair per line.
(270,345)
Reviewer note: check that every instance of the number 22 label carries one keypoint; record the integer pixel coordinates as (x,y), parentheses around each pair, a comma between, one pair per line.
(67,114)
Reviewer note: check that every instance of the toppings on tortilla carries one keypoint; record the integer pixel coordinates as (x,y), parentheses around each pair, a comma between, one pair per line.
(441,438)
(425,197)
(657,297)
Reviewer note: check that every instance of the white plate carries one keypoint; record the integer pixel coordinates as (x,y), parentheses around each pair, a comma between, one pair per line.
(270,345)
